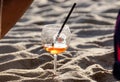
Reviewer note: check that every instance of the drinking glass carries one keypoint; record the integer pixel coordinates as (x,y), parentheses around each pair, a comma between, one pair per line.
(53,43)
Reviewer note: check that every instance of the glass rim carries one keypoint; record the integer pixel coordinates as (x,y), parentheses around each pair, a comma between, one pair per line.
(55,27)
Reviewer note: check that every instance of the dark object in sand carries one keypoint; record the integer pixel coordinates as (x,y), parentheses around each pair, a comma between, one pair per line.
(116,67)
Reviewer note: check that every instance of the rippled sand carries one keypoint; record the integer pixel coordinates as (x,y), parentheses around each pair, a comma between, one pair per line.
(89,57)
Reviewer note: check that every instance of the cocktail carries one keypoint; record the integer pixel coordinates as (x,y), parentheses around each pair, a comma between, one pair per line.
(53,43)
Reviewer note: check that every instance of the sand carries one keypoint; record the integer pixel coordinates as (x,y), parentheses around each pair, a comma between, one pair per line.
(89,58)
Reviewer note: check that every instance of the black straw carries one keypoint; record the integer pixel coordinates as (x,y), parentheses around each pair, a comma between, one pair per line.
(65,20)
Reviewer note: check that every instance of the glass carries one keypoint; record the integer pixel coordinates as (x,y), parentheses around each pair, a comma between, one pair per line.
(55,45)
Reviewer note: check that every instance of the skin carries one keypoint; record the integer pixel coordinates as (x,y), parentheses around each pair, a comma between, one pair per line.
(11,12)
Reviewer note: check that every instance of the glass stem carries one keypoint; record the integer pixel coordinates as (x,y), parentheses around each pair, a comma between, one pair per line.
(55,63)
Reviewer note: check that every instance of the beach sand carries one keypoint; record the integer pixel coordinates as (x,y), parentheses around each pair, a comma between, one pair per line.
(89,58)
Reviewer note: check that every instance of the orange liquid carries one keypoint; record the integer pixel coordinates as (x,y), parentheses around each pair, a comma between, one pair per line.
(55,50)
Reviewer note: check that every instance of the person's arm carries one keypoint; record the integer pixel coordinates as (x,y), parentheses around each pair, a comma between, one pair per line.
(11,13)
